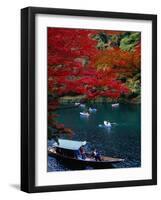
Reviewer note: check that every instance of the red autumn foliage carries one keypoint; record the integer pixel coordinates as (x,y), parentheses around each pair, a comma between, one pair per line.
(110,32)
(71,67)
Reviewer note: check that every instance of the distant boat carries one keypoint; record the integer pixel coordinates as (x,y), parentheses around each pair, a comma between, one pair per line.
(107,124)
(84,114)
(115,105)
(82,105)
(77,104)
(69,151)
(92,109)
(100,125)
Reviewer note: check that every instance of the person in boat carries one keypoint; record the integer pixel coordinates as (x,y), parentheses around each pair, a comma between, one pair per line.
(82,152)
(97,155)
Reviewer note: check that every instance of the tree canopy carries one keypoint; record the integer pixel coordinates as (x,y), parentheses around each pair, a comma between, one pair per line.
(92,63)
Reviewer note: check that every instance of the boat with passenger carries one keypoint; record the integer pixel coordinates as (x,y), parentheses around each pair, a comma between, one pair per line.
(107,124)
(92,109)
(73,153)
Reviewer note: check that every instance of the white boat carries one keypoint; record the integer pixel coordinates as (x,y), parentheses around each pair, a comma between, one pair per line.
(84,114)
(100,125)
(77,104)
(82,105)
(107,124)
(115,105)
(92,109)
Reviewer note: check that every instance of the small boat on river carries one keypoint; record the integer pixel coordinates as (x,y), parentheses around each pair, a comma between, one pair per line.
(92,110)
(115,105)
(70,151)
(82,105)
(84,114)
(107,124)
(77,104)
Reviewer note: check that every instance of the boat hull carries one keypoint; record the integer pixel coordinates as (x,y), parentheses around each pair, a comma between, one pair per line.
(84,163)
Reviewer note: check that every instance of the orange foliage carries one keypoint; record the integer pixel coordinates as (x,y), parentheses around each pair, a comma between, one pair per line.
(118,60)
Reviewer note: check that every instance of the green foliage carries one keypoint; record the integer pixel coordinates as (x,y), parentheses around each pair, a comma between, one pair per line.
(115,40)
(134,84)
(125,41)
(102,39)
(128,42)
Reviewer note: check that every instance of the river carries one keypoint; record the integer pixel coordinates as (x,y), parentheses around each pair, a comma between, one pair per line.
(122,140)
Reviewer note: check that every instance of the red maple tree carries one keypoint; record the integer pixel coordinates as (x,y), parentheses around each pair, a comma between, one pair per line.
(71,68)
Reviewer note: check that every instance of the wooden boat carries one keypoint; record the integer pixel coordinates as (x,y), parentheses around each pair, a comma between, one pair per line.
(69,152)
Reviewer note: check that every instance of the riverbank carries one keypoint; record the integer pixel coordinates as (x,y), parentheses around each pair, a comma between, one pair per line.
(80,98)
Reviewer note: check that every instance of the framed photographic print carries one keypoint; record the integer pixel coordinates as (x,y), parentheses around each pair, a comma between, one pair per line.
(88,99)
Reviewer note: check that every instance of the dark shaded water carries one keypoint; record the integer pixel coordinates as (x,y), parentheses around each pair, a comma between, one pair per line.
(122,140)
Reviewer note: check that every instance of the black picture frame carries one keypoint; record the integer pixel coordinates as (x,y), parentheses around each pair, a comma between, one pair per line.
(28,99)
